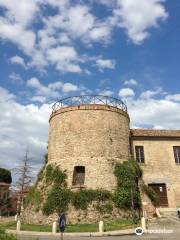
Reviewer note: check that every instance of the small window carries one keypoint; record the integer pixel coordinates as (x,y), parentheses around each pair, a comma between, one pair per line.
(79,175)
(177,154)
(139,154)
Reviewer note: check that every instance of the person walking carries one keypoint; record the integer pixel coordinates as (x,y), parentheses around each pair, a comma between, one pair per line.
(62,224)
(178,212)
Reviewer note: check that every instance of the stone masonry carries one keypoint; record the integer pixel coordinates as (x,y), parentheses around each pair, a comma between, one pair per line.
(93,136)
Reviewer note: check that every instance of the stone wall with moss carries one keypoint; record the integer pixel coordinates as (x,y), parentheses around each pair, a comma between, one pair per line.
(51,196)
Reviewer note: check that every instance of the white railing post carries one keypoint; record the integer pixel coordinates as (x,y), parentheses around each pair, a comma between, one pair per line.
(101,226)
(143,224)
(54,227)
(18,226)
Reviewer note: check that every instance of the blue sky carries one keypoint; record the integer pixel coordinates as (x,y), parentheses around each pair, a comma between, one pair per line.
(50,49)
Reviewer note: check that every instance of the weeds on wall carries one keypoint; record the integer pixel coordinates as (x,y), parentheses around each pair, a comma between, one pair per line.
(150,193)
(81,199)
(33,198)
(59,197)
(127,192)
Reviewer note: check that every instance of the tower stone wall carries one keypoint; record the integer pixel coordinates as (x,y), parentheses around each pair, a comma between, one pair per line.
(93,136)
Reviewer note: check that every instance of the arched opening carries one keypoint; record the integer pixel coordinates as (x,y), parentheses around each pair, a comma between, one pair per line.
(78,175)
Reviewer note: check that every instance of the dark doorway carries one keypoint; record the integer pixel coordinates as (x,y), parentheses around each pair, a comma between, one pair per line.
(160,190)
(79,175)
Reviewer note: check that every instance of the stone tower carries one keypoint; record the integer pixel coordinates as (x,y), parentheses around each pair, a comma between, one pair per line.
(86,135)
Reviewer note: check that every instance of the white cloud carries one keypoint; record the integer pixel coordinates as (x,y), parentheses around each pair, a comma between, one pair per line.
(158,113)
(80,20)
(63,53)
(22,126)
(5,95)
(126,93)
(100,33)
(65,58)
(51,91)
(106,93)
(39,99)
(130,82)
(69,87)
(18,35)
(105,63)
(15,78)
(173,97)
(150,93)
(20,11)
(73,21)
(137,17)
(17,60)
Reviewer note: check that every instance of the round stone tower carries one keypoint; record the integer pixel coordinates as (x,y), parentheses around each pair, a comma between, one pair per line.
(87,134)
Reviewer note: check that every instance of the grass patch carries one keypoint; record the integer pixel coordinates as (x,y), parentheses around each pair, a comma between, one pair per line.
(36,228)
(3,235)
(119,225)
(8,225)
(109,226)
(82,228)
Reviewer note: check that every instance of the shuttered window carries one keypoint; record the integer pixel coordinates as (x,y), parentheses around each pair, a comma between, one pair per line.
(139,154)
(177,154)
(79,175)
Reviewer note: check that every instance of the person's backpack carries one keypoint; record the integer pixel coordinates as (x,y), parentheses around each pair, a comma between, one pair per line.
(62,222)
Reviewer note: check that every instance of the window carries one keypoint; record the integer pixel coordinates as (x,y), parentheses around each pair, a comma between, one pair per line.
(177,154)
(79,175)
(139,154)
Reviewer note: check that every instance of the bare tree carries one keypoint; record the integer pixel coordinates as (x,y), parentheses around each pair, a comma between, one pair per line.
(24,171)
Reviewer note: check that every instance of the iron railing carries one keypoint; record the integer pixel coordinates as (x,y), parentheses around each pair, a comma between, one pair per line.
(89,99)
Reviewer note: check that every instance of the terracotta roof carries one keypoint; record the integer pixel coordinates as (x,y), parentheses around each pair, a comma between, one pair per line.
(155,133)
(4,184)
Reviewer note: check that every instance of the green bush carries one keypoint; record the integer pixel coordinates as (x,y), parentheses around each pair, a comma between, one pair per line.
(5,175)
(127,174)
(123,198)
(57,200)
(55,175)
(33,197)
(83,198)
(150,193)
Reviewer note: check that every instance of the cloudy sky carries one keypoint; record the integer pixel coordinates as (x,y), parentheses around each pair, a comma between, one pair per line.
(50,49)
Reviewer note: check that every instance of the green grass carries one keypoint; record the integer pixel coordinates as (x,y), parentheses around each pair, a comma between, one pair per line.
(82,228)
(4,236)
(8,225)
(119,225)
(109,226)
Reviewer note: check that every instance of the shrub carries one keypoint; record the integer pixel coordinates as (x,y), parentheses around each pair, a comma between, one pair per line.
(33,197)
(5,175)
(57,200)
(83,198)
(123,198)
(150,193)
(127,174)
(55,175)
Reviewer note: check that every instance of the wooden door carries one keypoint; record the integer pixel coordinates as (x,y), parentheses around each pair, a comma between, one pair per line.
(160,190)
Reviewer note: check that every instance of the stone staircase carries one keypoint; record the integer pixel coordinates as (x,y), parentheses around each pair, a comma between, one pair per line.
(168,212)
(168,219)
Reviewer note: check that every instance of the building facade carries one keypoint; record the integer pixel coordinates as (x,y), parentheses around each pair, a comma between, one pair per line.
(158,153)
(88,134)
(4,197)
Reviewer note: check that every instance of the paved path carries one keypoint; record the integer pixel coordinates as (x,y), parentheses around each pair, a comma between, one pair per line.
(170,223)
(174,236)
